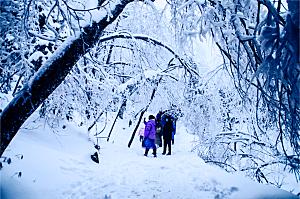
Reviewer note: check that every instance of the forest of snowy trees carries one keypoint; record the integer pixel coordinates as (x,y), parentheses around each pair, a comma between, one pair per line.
(64,58)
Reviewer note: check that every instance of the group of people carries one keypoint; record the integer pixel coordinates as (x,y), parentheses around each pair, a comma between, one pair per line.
(158,131)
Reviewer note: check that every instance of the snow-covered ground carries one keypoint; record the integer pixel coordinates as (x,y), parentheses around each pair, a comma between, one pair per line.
(58,165)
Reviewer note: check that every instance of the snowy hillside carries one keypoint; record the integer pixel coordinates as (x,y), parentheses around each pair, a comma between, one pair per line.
(58,165)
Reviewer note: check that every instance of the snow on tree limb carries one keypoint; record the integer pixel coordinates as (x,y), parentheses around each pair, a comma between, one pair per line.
(151,40)
(51,74)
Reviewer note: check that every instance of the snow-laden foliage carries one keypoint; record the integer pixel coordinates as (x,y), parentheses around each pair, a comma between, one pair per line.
(14,45)
(122,71)
(117,70)
(228,134)
(257,42)
(30,32)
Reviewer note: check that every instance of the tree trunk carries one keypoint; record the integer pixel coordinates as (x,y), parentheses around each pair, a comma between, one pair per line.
(136,127)
(51,75)
(119,115)
(143,112)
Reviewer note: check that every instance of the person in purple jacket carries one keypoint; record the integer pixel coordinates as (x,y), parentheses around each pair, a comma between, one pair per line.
(149,135)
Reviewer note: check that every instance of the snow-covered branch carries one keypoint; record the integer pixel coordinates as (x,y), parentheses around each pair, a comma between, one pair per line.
(56,68)
(150,40)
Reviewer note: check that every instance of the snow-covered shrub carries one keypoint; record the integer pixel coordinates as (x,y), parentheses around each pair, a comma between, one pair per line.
(229,132)
(257,40)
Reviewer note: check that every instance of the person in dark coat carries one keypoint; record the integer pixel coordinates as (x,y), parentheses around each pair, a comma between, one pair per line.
(158,139)
(167,135)
(150,135)
(158,119)
(163,117)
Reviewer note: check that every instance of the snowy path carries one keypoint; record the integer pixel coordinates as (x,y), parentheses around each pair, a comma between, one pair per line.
(58,166)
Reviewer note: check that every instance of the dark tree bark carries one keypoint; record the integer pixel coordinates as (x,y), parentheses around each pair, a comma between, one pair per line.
(119,115)
(143,112)
(50,76)
(136,127)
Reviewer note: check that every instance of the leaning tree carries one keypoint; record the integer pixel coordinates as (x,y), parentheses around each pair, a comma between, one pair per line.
(64,34)
(49,76)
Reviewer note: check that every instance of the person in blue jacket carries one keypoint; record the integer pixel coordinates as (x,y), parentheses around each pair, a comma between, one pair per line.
(150,135)
(174,128)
